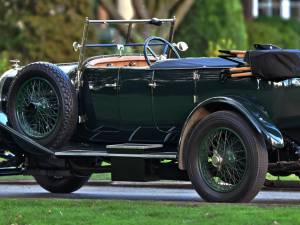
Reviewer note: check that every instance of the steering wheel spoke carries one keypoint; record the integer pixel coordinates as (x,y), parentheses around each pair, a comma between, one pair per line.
(153,53)
(166,46)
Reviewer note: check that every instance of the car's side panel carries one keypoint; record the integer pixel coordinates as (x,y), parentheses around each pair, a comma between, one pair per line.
(99,104)
(135,100)
(127,108)
(174,96)
(250,96)
(288,117)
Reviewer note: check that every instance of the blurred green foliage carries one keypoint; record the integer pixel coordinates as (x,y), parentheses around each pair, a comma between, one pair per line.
(4,62)
(273,30)
(34,30)
(213,25)
(41,30)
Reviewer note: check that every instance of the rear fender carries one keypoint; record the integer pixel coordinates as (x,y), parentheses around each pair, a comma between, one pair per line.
(256,116)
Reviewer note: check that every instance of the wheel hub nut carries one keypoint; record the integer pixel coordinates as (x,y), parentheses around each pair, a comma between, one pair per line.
(216,160)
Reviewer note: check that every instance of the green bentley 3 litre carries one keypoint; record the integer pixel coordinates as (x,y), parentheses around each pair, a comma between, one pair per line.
(221,122)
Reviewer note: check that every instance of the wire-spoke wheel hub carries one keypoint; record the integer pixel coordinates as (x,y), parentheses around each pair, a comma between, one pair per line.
(216,160)
(37,107)
(222,159)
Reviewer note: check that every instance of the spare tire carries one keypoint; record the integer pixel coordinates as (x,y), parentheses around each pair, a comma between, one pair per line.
(42,104)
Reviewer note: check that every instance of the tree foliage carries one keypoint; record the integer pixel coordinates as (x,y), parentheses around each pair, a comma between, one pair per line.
(210,25)
(144,9)
(41,30)
(283,33)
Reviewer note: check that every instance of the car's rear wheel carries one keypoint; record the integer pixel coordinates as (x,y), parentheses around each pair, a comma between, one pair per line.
(42,104)
(227,161)
(61,184)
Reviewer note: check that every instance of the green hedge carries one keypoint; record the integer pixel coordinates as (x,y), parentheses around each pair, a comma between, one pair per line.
(4,62)
(41,30)
(212,25)
(283,33)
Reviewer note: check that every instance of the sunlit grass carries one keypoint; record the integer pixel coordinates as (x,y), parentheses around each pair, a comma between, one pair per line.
(95,177)
(93,212)
(107,176)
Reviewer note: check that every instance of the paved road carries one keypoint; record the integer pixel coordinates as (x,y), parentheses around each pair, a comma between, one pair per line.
(136,193)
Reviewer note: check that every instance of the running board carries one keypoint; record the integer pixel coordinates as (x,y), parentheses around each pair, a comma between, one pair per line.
(85,153)
(134,146)
(126,150)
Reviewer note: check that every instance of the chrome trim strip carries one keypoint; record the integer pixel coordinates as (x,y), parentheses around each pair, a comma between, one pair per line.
(84,153)
(134,146)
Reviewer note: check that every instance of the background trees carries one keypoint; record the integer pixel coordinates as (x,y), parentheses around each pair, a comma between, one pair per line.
(143,9)
(44,30)
(41,30)
(283,33)
(213,25)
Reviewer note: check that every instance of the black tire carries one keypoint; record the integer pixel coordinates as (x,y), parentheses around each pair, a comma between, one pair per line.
(66,102)
(61,184)
(211,177)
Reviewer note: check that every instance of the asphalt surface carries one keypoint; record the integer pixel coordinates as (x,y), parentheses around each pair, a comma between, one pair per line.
(137,193)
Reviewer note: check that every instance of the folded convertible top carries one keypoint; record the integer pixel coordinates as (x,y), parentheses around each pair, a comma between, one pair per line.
(274,65)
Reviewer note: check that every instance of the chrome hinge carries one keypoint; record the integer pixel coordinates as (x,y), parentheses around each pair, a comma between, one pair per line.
(153,84)
(114,85)
(196,75)
(82,119)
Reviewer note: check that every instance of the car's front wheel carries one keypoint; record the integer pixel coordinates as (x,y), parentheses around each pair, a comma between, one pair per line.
(227,161)
(61,184)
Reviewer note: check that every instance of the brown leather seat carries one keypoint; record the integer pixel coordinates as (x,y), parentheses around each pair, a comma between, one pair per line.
(118,61)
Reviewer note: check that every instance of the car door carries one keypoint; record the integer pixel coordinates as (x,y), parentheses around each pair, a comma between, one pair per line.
(174,96)
(135,97)
(100,103)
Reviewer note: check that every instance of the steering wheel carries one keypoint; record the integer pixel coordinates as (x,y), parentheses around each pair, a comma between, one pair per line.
(158,41)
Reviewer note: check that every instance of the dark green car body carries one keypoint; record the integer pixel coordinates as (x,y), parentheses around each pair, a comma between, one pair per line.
(150,117)
(135,112)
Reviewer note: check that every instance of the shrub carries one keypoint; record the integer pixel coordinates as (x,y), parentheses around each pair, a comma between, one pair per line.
(211,25)
(41,30)
(4,62)
(283,33)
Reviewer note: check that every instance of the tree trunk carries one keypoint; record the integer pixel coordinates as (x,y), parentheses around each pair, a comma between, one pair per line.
(247,7)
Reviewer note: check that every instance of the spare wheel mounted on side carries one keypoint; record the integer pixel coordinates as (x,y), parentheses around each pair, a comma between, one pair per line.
(42,104)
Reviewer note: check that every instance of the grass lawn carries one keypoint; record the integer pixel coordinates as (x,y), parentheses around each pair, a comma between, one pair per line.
(99,176)
(35,212)
(292,177)
(107,176)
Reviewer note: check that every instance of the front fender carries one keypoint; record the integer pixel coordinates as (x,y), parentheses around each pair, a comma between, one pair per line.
(255,115)
(252,112)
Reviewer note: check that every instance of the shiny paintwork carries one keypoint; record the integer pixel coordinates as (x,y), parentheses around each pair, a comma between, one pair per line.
(132,111)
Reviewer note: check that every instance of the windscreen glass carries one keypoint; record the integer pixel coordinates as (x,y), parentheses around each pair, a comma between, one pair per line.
(122,34)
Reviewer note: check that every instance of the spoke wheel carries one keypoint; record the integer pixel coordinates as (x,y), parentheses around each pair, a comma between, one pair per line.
(222,159)
(227,160)
(37,107)
(43,105)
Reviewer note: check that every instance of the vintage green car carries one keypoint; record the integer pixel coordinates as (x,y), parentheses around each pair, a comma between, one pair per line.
(220,122)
